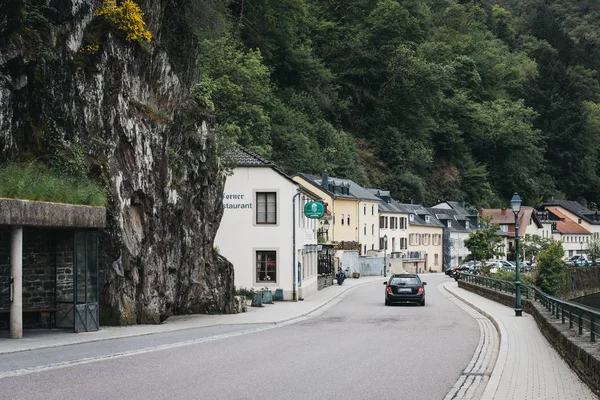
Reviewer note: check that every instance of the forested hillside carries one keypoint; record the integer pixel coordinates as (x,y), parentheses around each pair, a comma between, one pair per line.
(431,99)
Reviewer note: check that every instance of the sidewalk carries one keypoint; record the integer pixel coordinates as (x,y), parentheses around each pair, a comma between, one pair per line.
(276,313)
(527,367)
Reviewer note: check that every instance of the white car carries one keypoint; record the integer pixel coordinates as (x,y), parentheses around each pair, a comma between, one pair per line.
(494,266)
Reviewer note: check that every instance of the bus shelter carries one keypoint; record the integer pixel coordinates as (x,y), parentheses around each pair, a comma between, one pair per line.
(49,265)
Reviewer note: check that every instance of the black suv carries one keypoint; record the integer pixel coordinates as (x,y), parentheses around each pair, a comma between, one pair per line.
(405,288)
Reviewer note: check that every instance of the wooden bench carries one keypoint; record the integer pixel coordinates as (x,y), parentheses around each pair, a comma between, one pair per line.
(42,311)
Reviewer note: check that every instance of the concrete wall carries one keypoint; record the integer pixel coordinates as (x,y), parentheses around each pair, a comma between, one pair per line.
(582,356)
(44,213)
(367,266)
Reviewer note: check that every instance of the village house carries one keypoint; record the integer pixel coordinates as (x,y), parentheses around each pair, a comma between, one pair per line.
(529,224)
(573,235)
(588,219)
(458,225)
(264,232)
(354,211)
(425,238)
(393,225)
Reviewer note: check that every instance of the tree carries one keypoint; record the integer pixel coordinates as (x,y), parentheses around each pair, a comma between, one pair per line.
(484,242)
(552,270)
(532,245)
(593,249)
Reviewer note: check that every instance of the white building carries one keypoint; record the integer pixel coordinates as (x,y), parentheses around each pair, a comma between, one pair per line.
(573,235)
(393,224)
(583,216)
(264,232)
(457,225)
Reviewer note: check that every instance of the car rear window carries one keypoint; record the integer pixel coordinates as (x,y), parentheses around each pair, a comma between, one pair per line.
(405,281)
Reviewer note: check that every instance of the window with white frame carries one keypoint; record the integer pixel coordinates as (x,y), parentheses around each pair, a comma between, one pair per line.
(266,266)
(425,239)
(436,239)
(266,208)
(427,218)
(411,217)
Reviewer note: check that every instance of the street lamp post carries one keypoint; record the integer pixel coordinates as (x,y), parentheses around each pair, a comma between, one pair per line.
(384,255)
(515,204)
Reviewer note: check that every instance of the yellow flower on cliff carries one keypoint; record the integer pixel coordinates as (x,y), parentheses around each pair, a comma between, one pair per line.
(128,17)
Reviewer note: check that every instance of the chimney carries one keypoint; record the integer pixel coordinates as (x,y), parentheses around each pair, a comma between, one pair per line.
(503,211)
(325,179)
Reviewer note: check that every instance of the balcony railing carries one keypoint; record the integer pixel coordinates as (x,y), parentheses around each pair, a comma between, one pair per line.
(415,255)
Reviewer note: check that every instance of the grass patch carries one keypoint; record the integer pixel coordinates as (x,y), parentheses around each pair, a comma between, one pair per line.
(36,182)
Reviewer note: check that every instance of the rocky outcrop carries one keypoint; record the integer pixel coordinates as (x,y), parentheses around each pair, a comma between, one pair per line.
(127,112)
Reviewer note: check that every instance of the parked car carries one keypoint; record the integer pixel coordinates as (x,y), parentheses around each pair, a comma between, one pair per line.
(462,268)
(405,288)
(494,266)
(528,266)
(578,261)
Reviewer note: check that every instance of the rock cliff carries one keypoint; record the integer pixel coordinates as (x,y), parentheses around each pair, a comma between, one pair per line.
(127,112)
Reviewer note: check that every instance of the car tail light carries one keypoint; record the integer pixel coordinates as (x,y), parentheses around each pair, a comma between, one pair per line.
(389,289)
(421,290)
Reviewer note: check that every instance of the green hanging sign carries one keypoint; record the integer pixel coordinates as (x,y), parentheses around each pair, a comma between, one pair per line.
(314,209)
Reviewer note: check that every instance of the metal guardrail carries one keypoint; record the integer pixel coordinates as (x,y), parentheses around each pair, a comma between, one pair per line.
(579,317)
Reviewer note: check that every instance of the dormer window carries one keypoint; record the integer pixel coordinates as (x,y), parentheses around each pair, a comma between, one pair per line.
(411,217)
(467,224)
(449,224)
(427,218)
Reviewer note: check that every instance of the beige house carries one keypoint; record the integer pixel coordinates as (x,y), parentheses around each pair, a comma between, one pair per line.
(425,237)
(529,224)
(353,209)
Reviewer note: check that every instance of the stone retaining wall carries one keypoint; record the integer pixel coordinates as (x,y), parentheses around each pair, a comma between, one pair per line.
(582,281)
(582,355)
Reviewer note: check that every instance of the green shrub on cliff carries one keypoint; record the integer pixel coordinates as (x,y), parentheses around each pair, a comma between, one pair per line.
(36,182)
(552,270)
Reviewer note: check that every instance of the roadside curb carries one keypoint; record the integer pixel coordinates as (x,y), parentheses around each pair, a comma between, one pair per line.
(173,326)
(494,381)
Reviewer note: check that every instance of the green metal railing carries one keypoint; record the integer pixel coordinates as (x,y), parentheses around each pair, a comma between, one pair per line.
(579,317)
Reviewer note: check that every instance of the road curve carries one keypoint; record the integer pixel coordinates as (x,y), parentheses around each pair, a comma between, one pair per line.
(356,349)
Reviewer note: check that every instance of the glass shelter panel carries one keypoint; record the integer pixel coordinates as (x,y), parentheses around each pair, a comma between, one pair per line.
(86,281)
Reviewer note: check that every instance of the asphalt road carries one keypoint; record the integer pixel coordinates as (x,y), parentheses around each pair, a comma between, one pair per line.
(357,349)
